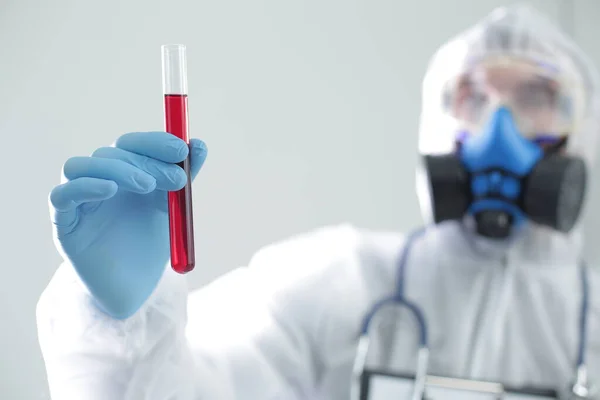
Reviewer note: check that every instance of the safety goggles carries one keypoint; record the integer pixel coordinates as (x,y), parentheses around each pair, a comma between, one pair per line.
(542,106)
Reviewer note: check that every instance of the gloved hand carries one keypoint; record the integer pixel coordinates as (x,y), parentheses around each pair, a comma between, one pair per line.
(110,215)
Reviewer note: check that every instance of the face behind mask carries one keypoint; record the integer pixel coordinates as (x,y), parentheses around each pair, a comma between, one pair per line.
(502,179)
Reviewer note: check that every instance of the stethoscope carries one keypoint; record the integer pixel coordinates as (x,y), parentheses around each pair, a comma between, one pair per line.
(581,388)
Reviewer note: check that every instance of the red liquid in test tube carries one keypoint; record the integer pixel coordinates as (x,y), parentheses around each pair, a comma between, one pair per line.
(181,221)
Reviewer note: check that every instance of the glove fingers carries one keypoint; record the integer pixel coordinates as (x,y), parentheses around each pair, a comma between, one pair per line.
(158,145)
(125,175)
(169,177)
(66,198)
(198,153)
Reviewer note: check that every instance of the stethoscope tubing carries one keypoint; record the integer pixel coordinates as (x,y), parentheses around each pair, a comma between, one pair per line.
(400,299)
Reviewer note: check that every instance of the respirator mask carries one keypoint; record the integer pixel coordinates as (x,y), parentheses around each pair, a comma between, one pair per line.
(510,163)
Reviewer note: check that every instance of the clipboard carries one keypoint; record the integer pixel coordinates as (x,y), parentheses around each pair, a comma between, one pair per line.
(382,385)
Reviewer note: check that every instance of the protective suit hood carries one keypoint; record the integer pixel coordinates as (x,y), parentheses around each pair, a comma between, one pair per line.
(515,32)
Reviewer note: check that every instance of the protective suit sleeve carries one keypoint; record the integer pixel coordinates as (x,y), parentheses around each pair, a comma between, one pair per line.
(267,327)
(252,334)
(90,356)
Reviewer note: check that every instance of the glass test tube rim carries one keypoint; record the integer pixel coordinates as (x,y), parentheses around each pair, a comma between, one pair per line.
(174,69)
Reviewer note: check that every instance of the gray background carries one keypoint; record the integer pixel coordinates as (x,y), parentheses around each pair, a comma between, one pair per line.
(309,109)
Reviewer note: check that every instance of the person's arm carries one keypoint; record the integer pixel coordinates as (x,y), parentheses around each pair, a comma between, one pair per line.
(90,356)
(257,333)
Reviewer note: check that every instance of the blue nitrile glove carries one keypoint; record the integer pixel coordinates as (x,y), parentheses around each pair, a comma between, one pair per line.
(110,215)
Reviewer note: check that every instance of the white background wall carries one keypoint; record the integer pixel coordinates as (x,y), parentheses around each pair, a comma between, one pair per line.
(309,109)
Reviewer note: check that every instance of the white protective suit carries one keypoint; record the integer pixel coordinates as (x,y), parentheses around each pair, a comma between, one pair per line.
(287,326)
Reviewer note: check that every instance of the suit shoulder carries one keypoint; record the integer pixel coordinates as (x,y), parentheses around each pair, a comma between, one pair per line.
(328,247)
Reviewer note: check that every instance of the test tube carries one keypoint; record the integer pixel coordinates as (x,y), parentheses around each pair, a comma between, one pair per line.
(181,223)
